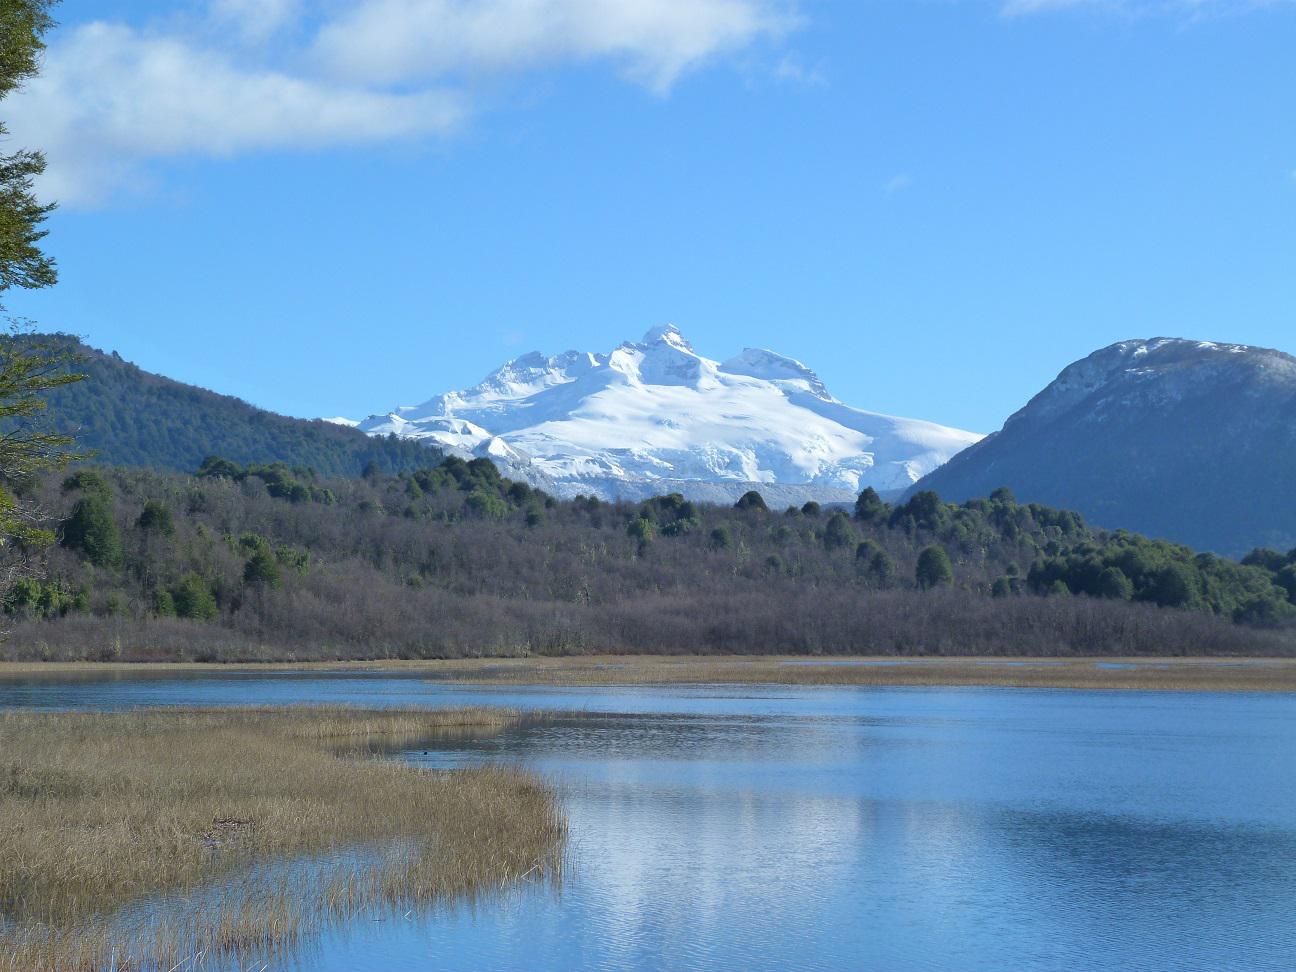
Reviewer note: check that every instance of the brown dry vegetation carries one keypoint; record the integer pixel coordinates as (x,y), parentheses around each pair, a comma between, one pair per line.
(143,839)
(807,621)
(1173,674)
(1162,674)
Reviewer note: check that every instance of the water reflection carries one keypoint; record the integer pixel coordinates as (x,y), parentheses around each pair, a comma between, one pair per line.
(972,829)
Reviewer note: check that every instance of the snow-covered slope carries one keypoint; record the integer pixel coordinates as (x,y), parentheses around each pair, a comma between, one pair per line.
(656,415)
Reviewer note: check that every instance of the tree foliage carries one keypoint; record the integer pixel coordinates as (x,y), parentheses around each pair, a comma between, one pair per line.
(839,534)
(934,568)
(262,570)
(125,416)
(156,517)
(413,563)
(30,370)
(869,507)
(23,24)
(192,598)
(91,529)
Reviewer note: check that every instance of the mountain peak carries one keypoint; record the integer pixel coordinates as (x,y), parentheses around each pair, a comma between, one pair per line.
(772,366)
(1170,364)
(653,413)
(1172,437)
(666,334)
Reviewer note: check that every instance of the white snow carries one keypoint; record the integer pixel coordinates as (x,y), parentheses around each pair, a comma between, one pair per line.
(340,420)
(658,410)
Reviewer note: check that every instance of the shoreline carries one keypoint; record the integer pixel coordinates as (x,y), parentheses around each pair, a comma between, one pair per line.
(1214,674)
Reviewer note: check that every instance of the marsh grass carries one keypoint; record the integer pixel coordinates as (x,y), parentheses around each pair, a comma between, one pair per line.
(1149,674)
(1161,673)
(161,838)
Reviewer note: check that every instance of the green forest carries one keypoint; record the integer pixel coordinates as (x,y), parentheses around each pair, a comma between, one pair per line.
(271,560)
(122,415)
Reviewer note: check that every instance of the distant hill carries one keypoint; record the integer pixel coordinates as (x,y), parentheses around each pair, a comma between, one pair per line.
(1187,440)
(129,417)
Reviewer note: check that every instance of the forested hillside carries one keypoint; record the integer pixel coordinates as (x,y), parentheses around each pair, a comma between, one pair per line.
(262,561)
(126,416)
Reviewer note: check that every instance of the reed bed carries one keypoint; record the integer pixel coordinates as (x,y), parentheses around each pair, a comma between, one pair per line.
(1150,674)
(1166,673)
(155,839)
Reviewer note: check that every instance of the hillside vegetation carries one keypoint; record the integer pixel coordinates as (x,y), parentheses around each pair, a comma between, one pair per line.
(275,562)
(124,416)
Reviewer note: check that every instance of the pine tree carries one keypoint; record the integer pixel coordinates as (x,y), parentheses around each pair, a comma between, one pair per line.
(839,533)
(934,568)
(92,529)
(869,507)
(192,598)
(156,517)
(262,570)
(28,368)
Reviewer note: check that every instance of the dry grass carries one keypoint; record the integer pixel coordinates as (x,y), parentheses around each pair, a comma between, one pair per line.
(143,839)
(1166,674)
(1169,674)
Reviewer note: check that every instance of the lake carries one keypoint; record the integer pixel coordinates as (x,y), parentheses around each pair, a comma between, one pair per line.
(723,827)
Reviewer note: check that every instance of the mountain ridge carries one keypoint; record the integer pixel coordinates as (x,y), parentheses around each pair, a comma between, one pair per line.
(1189,440)
(625,422)
(124,415)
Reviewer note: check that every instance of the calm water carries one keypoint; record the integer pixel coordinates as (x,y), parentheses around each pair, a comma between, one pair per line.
(862,829)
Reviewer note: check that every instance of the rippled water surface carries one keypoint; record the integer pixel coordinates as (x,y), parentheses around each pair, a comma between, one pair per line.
(873,829)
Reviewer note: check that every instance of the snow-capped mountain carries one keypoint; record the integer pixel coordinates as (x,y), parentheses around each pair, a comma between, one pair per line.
(655,416)
(1190,440)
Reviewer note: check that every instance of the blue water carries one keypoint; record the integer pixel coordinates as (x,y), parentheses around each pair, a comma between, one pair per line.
(861,829)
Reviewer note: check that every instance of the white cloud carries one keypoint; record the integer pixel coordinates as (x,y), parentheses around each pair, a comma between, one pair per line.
(255,20)
(652,41)
(112,98)
(791,69)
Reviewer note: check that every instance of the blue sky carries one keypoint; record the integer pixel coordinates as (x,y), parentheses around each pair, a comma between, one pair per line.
(335,208)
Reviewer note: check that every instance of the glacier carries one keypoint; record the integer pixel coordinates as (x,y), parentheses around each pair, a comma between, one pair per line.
(655,416)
